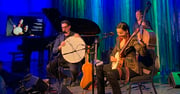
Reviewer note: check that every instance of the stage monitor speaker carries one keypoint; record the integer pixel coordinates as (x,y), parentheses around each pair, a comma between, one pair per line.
(30,84)
(174,79)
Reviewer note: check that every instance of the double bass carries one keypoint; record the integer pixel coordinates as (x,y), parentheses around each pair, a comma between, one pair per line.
(147,35)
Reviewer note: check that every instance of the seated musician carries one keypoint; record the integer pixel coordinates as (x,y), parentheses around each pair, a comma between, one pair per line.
(57,59)
(127,60)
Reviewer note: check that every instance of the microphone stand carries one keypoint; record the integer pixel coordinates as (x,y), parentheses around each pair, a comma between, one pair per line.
(94,61)
(95,58)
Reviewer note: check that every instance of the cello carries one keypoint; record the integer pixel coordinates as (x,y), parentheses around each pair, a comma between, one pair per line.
(86,81)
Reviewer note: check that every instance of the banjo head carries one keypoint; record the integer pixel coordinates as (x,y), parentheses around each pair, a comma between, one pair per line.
(74,49)
(18,31)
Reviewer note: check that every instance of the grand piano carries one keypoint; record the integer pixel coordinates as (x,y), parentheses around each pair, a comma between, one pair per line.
(86,28)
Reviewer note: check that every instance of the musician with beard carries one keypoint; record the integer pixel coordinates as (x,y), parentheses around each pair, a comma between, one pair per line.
(57,58)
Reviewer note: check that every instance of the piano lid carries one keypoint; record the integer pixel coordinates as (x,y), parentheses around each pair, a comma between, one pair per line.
(78,25)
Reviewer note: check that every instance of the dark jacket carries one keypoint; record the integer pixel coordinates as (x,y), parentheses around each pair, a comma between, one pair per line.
(130,53)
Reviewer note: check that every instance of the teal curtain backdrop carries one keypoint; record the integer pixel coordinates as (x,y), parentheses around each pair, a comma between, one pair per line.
(164,16)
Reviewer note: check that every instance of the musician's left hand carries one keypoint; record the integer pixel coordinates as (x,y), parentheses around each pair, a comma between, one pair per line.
(143,23)
(76,35)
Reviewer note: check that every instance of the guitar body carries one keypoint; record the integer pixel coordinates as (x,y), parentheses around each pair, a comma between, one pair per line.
(86,81)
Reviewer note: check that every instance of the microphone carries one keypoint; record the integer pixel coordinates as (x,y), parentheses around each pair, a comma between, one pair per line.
(109,34)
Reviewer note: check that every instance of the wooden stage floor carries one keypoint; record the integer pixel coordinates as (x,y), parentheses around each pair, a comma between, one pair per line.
(162,88)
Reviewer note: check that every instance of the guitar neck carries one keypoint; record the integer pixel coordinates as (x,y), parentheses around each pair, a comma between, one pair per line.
(124,47)
(87,58)
(87,54)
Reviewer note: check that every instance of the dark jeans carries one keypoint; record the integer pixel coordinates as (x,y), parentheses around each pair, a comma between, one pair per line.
(59,62)
(112,76)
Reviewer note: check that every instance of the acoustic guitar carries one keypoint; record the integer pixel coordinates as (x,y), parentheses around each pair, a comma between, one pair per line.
(18,30)
(86,81)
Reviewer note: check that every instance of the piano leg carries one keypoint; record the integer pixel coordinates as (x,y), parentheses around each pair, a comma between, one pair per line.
(27,59)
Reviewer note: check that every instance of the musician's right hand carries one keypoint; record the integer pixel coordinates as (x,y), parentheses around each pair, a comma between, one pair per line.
(139,36)
(76,35)
(113,59)
(61,45)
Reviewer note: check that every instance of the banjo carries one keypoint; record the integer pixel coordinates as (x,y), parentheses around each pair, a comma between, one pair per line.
(74,49)
(18,30)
